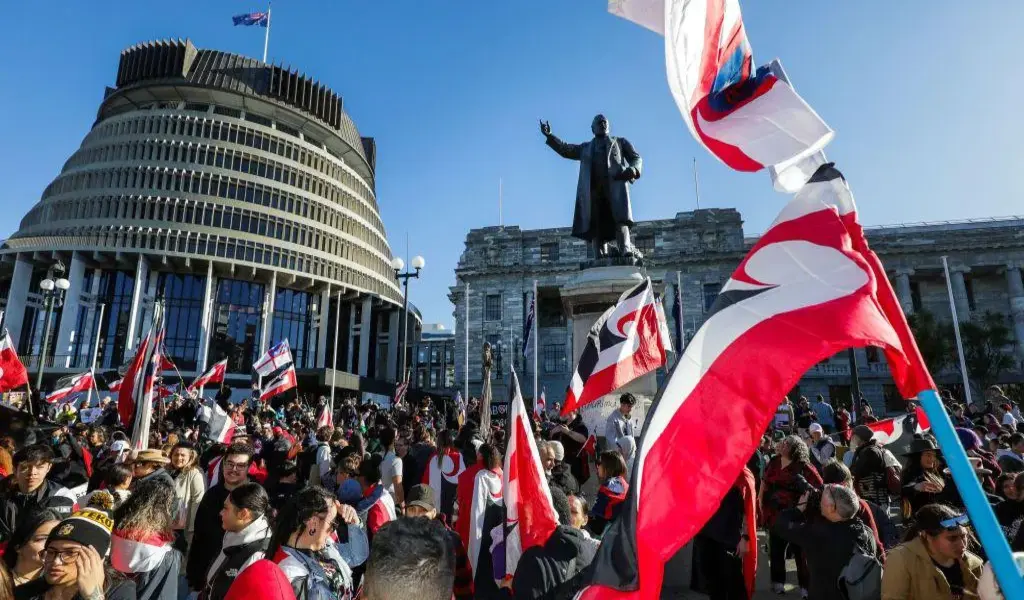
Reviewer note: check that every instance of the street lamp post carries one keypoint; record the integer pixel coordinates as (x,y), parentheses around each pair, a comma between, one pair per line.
(398,264)
(52,290)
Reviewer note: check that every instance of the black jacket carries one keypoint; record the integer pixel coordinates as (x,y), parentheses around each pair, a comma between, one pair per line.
(552,571)
(561,477)
(208,536)
(160,475)
(827,547)
(49,496)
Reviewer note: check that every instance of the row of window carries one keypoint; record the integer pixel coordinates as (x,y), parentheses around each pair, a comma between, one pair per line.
(234,133)
(549,251)
(189,155)
(182,242)
(136,208)
(222,187)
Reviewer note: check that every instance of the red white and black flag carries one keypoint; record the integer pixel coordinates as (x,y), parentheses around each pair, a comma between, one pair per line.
(900,429)
(214,374)
(12,373)
(808,289)
(281,384)
(66,387)
(628,341)
(220,427)
(138,387)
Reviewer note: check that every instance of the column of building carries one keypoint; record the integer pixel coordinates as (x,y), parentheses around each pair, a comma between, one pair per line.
(956,277)
(17,298)
(323,319)
(1016,289)
(903,290)
(68,333)
(395,332)
(365,331)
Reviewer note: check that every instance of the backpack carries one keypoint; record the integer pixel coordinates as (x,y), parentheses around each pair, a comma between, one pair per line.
(861,578)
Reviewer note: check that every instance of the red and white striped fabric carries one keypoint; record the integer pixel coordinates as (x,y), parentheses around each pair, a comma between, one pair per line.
(747,117)
(809,288)
(281,384)
(115,386)
(220,426)
(888,431)
(132,552)
(400,391)
(540,405)
(214,374)
(12,372)
(70,386)
(530,516)
(325,416)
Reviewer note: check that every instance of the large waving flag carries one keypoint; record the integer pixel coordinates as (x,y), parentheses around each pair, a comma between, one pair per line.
(145,387)
(748,117)
(67,387)
(889,431)
(281,384)
(220,427)
(530,515)
(12,372)
(214,374)
(626,342)
(442,475)
(261,19)
(280,355)
(808,289)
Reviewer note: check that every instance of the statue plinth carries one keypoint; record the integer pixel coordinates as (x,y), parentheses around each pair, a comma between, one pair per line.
(585,298)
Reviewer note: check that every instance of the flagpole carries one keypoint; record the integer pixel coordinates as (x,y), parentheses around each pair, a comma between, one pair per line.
(465,383)
(696,187)
(536,334)
(956,332)
(266,36)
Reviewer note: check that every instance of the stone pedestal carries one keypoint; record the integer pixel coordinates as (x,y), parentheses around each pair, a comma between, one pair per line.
(585,298)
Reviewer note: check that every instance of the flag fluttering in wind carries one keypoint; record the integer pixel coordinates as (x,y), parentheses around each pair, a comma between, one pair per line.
(400,390)
(280,355)
(220,427)
(442,475)
(626,342)
(748,117)
(214,374)
(67,387)
(324,416)
(540,405)
(528,326)
(530,515)
(808,289)
(115,386)
(261,19)
(888,431)
(12,372)
(280,384)
(138,387)
(460,408)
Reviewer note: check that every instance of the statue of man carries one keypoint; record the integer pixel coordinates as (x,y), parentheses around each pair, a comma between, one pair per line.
(607,166)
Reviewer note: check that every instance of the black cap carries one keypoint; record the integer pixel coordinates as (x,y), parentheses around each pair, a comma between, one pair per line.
(423,496)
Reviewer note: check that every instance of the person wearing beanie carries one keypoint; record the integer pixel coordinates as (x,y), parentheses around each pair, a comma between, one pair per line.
(875,478)
(73,564)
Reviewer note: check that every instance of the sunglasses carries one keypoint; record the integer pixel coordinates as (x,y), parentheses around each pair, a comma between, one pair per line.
(954,522)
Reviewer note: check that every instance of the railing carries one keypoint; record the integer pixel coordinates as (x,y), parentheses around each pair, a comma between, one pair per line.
(57,362)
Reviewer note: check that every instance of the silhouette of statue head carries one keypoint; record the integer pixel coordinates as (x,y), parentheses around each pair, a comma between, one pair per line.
(600,126)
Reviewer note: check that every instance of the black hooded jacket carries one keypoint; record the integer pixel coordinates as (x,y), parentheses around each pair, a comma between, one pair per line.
(548,572)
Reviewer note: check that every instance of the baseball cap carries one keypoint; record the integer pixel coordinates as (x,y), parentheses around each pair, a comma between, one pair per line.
(423,496)
(816,427)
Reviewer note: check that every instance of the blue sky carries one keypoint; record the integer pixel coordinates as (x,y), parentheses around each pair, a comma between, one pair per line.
(924,96)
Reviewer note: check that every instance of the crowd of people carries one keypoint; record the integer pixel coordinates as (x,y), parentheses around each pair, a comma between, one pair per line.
(360,507)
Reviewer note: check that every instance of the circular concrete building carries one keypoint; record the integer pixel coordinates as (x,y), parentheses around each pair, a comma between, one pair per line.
(237,192)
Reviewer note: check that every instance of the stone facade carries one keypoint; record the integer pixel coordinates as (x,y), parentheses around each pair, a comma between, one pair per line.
(500,264)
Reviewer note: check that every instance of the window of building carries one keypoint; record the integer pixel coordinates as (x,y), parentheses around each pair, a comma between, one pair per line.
(873,355)
(237,323)
(549,252)
(710,294)
(554,358)
(183,301)
(645,244)
(492,307)
(969,288)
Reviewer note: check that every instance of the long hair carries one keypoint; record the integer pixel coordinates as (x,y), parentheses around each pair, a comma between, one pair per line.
(6,583)
(293,516)
(27,526)
(445,441)
(193,462)
(147,511)
(797,449)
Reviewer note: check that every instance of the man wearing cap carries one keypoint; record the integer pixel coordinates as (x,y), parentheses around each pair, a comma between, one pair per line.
(29,489)
(618,423)
(422,502)
(823,449)
(871,477)
(148,465)
(73,565)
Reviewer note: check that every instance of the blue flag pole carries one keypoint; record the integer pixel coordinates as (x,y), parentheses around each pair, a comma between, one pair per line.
(978,508)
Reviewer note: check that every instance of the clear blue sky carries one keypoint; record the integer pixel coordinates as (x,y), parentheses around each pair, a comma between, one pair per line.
(925,97)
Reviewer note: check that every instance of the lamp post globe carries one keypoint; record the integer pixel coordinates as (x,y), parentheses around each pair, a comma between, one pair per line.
(47,285)
(397,263)
(62,284)
(418,262)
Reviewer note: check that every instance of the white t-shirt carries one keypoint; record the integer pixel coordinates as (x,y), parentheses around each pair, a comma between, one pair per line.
(1008,419)
(390,468)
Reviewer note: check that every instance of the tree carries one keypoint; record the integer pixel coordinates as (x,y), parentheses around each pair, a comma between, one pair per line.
(985,342)
(934,339)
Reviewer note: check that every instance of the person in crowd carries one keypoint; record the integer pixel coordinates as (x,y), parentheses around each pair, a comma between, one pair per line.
(789,475)
(1012,458)
(556,568)
(579,518)
(804,415)
(871,514)
(209,531)
(6,463)
(626,447)
(23,555)
(410,558)
(619,423)
(115,479)
(923,479)
(29,489)
(73,565)
(874,478)
(377,506)
(822,448)
(6,583)
(189,488)
(97,439)
(420,452)
(142,546)
(724,544)
(824,414)
(348,489)
(320,467)
(843,421)
(301,545)
(611,472)
(785,416)
(150,465)
(867,415)
(70,463)
(1005,415)
(827,542)
(421,502)
(572,433)
(933,563)
(971,442)
(391,467)
(558,473)
(246,537)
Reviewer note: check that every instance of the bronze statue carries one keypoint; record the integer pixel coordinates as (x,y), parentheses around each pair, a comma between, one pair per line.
(607,166)
(485,393)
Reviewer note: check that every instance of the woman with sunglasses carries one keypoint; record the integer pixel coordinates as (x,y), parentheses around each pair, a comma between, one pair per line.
(304,546)
(933,563)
